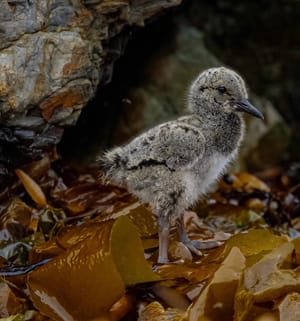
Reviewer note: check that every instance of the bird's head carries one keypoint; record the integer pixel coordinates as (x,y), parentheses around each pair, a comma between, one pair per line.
(219,90)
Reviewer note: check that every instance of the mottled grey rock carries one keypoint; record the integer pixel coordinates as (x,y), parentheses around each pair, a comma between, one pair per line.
(46,71)
(53,56)
(267,142)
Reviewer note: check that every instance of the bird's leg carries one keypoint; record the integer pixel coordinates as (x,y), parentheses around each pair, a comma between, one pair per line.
(163,235)
(183,236)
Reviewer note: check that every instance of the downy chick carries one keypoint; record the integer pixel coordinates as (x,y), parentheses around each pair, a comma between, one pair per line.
(173,164)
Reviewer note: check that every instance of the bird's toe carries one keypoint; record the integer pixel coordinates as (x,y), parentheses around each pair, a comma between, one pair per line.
(192,247)
(195,246)
(204,245)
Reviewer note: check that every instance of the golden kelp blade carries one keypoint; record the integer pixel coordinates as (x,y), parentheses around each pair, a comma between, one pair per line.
(32,188)
(89,277)
(268,280)
(216,301)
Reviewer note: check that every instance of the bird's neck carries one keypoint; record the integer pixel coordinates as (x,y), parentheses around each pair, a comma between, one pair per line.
(227,130)
(233,130)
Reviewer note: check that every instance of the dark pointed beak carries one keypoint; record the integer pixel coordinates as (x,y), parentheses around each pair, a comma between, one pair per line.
(245,106)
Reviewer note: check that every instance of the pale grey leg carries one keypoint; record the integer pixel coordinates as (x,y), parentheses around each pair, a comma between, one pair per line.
(183,237)
(163,235)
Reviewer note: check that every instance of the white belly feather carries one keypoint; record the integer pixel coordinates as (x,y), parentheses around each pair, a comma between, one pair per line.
(209,173)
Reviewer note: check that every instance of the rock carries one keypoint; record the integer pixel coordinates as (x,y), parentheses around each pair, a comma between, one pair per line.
(53,56)
(265,143)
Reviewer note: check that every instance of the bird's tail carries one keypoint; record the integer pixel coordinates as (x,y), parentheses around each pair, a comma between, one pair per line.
(111,165)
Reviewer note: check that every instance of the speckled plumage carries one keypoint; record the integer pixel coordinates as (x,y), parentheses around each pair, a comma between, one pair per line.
(171,165)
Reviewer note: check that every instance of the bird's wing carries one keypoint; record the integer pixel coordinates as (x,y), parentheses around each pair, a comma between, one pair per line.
(174,144)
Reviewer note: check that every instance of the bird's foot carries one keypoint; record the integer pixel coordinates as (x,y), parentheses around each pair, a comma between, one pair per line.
(195,246)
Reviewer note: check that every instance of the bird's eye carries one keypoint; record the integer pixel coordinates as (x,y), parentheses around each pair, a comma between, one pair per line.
(221,90)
